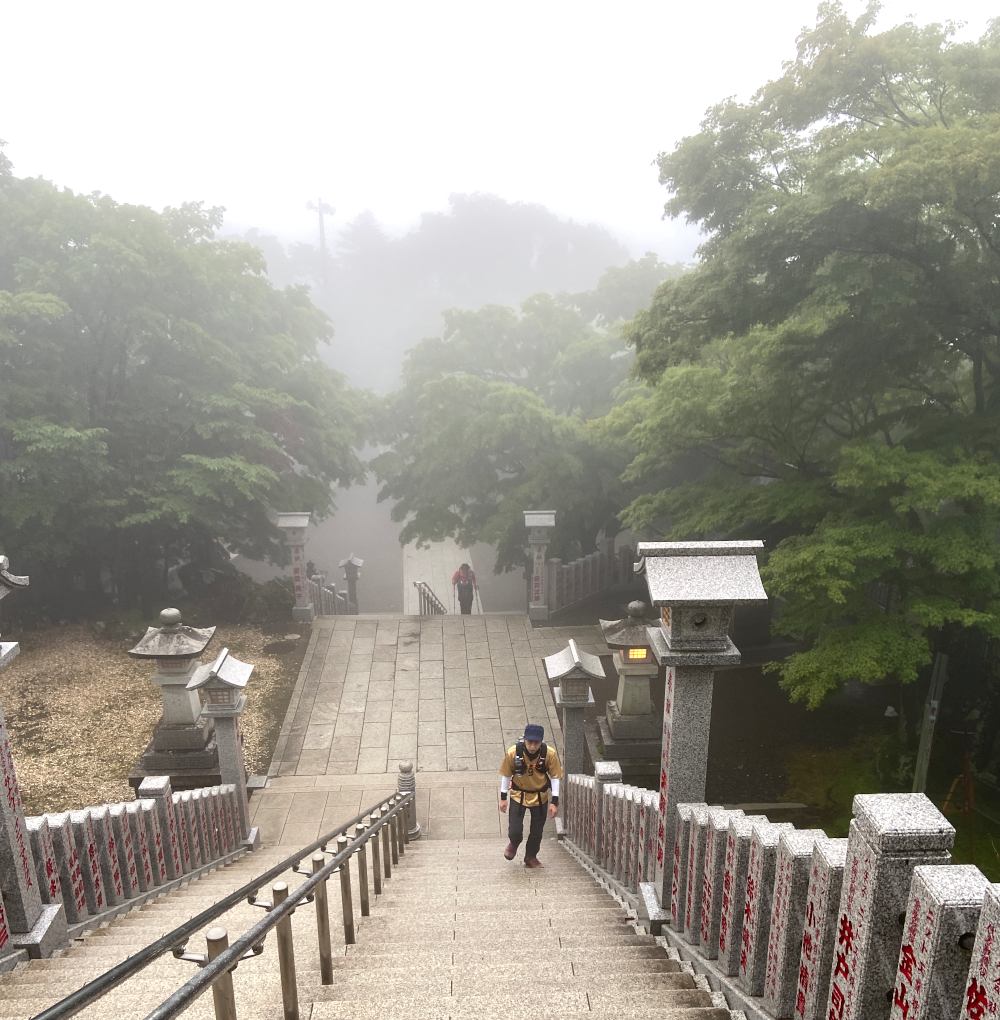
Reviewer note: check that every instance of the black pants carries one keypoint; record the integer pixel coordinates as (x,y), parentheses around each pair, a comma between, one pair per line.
(515,826)
(465,601)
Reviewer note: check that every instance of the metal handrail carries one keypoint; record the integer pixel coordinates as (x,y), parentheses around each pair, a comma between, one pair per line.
(104,983)
(430,604)
(176,1003)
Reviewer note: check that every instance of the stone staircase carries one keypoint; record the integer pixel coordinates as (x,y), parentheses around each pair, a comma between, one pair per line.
(457,933)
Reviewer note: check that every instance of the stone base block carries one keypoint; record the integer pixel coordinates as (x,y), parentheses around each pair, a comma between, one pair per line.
(168,737)
(180,779)
(540,613)
(303,614)
(252,842)
(48,934)
(616,748)
(632,727)
(10,958)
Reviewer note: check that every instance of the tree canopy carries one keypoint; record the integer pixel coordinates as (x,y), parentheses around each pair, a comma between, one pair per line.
(507,410)
(833,362)
(158,396)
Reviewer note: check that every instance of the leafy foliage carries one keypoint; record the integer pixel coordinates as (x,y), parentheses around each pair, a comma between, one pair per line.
(157,394)
(834,360)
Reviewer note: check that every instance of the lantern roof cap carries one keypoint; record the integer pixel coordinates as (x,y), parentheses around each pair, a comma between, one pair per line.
(226,669)
(630,632)
(356,560)
(572,660)
(294,520)
(9,581)
(539,518)
(701,573)
(173,640)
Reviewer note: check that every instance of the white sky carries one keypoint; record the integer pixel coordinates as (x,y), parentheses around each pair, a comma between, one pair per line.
(389,106)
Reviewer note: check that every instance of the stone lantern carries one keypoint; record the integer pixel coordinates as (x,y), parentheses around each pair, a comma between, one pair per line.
(294,526)
(573,670)
(183,745)
(223,683)
(695,585)
(352,574)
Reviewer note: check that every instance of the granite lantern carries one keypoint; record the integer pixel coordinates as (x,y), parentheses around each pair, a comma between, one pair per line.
(294,526)
(352,574)
(539,524)
(695,585)
(631,714)
(223,683)
(573,670)
(183,745)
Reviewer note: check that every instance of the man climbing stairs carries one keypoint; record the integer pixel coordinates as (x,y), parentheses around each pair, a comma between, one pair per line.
(457,933)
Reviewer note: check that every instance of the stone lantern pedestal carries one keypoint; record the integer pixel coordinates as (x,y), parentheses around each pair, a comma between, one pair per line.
(294,526)
(183,745)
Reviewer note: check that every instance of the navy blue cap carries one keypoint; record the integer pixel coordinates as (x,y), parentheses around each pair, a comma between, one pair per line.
(534,732)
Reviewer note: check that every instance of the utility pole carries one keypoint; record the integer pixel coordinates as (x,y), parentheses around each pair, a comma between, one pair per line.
(938,675)
(321,208)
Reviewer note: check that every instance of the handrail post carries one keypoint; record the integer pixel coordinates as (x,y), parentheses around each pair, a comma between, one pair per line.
(400,826)
(363,869)
(323,924)
(394,835)
(407,807)
(223,995)
(386,852)
(286,956)
(376,856)
(345,893)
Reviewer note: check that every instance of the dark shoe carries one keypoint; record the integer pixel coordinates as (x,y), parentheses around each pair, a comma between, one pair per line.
(510,852)
(533,862)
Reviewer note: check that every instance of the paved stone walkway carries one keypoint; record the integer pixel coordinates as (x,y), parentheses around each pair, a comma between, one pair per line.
(449,693)
(435,565)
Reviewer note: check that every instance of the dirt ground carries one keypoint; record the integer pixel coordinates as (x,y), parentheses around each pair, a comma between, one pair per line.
(80,711)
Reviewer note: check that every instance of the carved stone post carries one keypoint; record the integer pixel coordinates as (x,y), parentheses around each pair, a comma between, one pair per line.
(539,523)
(294,526)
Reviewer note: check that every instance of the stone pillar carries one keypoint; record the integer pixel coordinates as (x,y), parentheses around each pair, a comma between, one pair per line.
(176,807)
(788,909)
(942,914)
(135,819)
(28,923)
(575,744)
(168,850)
(90,862)
(107,852)
(127,865)
(757,905)
(294,526)
(716,839)
(678,871)
(192,828)
(734,888)
(605,773)
(70,871)
(826,873)
(406,782)
(552,584)
(647,834)
(695,880)
(44,854)
(890,835)
(539,524)
(982,987)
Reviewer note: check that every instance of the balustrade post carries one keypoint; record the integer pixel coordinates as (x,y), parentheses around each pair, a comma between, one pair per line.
(716,839)
(605,773)
(376,857)
(223,995)
(345,893)
(406,782)
(363,867)
(286,956)
(323,924)
(394,834)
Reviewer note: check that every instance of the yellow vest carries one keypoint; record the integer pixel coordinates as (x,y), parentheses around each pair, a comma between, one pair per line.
(532,788)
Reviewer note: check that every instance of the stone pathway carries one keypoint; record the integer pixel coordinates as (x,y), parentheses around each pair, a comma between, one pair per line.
(449,693)
(435,565)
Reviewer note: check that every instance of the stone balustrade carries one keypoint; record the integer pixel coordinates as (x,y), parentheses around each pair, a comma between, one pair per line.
(569,583)
(790,923)
(97,862)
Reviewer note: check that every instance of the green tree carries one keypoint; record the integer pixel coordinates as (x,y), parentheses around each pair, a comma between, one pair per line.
(833,361)
(157,394)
